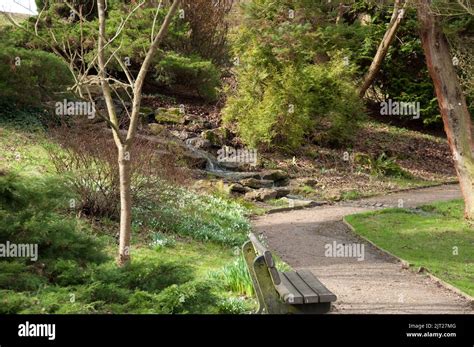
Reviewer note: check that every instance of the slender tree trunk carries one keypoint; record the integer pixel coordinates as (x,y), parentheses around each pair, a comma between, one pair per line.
(124,150)
(451,100)
(125,206)
(395,21)
(124,145)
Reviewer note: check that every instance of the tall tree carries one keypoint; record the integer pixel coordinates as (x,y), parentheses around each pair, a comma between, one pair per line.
(397,16)
(124,145)
(451,100)
(76,61)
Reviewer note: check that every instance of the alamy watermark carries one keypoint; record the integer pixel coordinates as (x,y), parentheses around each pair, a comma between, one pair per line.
(75,108)
(400,108)
(28,329)
(341,250)
(231,155)
(19,250)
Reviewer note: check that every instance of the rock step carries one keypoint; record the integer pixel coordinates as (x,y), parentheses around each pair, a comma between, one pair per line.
(264,194)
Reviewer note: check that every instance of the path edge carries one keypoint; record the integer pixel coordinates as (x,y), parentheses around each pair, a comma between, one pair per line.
(406,265)
(342,202)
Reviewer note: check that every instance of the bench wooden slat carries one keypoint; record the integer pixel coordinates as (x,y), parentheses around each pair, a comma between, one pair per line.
(324,294)
(275,275)
(262,250)
(309,295)
(288,292)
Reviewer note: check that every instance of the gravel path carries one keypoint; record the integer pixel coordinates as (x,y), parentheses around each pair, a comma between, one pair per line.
(378,284)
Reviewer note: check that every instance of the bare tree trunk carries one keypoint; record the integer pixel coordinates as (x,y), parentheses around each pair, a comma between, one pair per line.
(124,145)
(451,100)
(125,206)
(395,21)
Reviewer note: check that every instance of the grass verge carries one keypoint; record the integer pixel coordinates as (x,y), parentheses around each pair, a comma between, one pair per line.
(434,236)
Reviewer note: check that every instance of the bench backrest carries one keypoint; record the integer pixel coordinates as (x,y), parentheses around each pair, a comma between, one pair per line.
(274,290)
(260,249)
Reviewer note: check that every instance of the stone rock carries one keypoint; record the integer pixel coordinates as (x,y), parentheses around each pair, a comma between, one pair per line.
(194,161)
(299,202)
(198,142)
(282,192)
(101,106)
(206,124)
(157,129)
(183,135)
(309,182)
(145,117)
(262,194)
(236,176)
(145,111)
(217,137)
(232,166)
(240,159)
(169,116)
(238,188)
(256,183)
(278,176)
(333,196)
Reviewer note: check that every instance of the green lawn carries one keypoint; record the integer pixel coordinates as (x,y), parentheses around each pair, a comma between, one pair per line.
(24,152)
(434,236)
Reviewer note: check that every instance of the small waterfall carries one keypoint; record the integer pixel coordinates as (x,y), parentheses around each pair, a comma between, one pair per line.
(219,169)
(212,163)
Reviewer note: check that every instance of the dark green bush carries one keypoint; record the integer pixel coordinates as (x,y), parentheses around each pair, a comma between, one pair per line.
(190,297)
(404,76)
(185,38)
(28,77)
(178,64)
(88,7)
(26,118)
(12,302)
(192,72)
(107,293)
(155,277)
(16,275)
(66,272)
(29,213)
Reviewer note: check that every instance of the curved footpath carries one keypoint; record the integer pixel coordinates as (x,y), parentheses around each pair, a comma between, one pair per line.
(378,284)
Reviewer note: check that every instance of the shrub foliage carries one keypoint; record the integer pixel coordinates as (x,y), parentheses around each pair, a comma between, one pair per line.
(284,91)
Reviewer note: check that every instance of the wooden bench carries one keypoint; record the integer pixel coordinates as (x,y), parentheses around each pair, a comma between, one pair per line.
(283,292)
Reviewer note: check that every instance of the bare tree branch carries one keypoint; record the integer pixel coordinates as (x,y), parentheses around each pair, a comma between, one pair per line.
(144,69)
(104,83)
(154,22)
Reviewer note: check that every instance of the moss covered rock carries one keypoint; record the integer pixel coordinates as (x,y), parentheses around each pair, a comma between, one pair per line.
(217,137)
(157,129)
(169,115)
